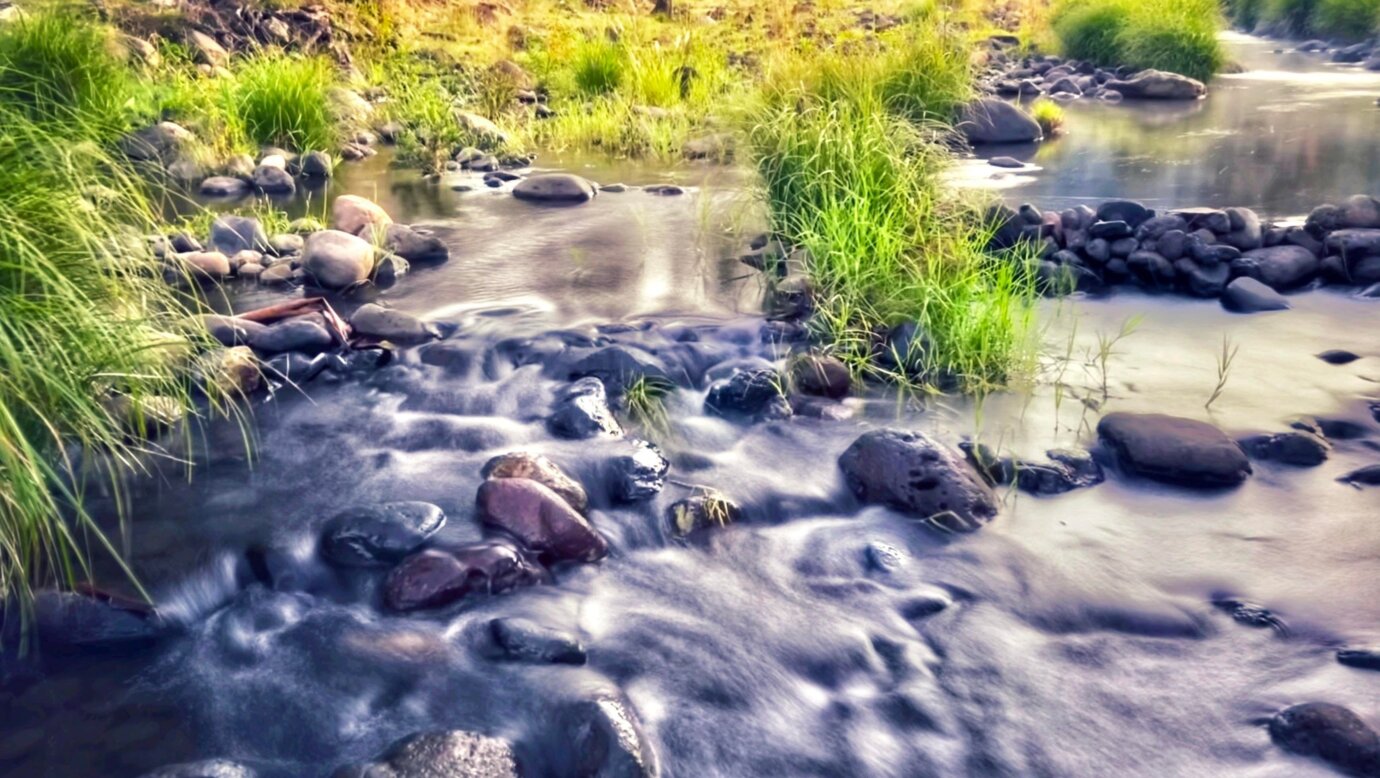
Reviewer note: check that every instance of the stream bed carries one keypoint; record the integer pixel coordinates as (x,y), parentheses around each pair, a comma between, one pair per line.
(1075,635)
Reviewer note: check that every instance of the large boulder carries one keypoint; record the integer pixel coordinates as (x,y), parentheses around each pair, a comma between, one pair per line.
(448,754)
(1331,733)
(1278,267)
(1354,243)
(554,187)
(535,467)
(354,214)
(915,474)
(989,120)
(334,259)
(232,234)
(1248,295)
(1158,85)
(1174,450)
(539,518)
(432,579)
(380,534)
(375,321)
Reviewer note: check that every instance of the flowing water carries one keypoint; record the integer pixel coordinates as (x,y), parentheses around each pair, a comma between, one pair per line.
(1073,636)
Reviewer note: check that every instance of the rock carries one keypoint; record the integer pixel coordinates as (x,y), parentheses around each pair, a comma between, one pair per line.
(822,376)
(717,147)
(1174,450)
(1005,162)
(353,214)
(1110,231)
(232,370)
(1359,211)
(1329,732)
(703,511)
(1067,470)
(583,411)
(1247,295)
(448,754)
(161,142)
(606,740)
(1365,476)
(485,132)
(1279,267)
(1129,211)
(411,244)
(207,768)
(1353,244)
(1202,281)
(334,259)
(1158,85)
(224,186)
(304,333)
(231,234)
(914,474)
(69,621)
(278,275)
(207,50)
(376,321)
(535,467)
(379,534)
(211,265)
(1245,231)
(230,330)
(527,641)
(1338,357)
(273,180)
(286,244)
(618,368)
(540,519)
(389,268)
(639,475)
(749,394)
(1299,448)
(989,120)
(1363,658)
(554,187)
(317,164)
(432,579)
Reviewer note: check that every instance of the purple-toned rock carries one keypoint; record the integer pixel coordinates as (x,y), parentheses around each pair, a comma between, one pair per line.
(431,579)
(540,519)
(535,467)
(1328,732)
(915,474)
(1173,449)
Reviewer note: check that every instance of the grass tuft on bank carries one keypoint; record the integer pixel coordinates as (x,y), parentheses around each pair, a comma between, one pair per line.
(1179,36)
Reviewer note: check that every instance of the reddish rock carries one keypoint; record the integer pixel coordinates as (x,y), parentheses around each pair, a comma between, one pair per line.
(431,579)
(540,519)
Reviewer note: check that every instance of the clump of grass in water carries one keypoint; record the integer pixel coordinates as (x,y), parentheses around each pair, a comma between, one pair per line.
(1049,115)
(645,401)
(284,101)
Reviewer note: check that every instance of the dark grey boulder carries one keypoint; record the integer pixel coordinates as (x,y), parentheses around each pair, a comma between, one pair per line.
(375,535)
(639,474)
(1158,85)
(305,334)
(582,411)
(1330,733)
(915,474)
(1338,356)
(272,179)
(1247,295)
(749,394)
(231,234)
(1359,211)
(1364,476)
(554,187)
(447,754)
(989,120)
(1201,281)
(1297,448)
(1245,229)
(606,739)
(224,186)
(823,376)
(74,622)
(1279,267)
(1354,243)
(1174,450)
(316,164)
(1129,211)
(1111,230)
(1362,658)
(231,330)
(375,321)
(526,641)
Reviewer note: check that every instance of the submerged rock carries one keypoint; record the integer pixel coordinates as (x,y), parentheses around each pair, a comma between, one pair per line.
(449,754)
(540,519)
(989,120)
(1175,450)
(432,579)
(914,474)
(583,411)
(1298,448)
(1365,476)
(554,187)
(1338,357)
(1248,295)
(526,641)
(71,621)
(535,467)
(1158,85)
(640,475)
(749,394)
(380,534)
(1329,732)
(606,740)
(376,321)
(1362,658)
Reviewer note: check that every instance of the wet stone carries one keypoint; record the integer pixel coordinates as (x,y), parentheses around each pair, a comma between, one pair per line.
(618,368)
(749,394)
(386,324)
(1175,450)
(703,511)
(606,739)
(540,519)
(432,579)
(583,411)
(915,474)
(1338,357)
(303,334)
(1361,658)
(1365,476)
(448,754)
(526,641)
(209,768)
(1248,295)
(554,187)
(68,621)
(1330,733)
(638,475)
(821,376)
(1298,448)
(231,234)
(379,534)
(535,467)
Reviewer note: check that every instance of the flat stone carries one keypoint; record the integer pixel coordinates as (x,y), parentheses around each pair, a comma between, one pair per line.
(374,320)
(554,187)
(1174,450)
(379,534)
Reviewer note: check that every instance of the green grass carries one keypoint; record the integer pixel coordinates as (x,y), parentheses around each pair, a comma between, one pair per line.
(1346,20)
(1179,36)
(599,67)
(1296,16)
(645,401)
(283,100)
(1049,115)
(58,71)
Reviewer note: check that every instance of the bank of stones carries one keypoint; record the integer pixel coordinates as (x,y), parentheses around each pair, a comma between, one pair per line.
(1069,79)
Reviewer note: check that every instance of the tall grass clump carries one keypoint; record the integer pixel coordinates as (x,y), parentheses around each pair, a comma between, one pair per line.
(1245,14)
(599,67)
(857,186)
(1346,20)
(1179,36)
(284,100)
(1295,16)
(1049,115)
(61,72)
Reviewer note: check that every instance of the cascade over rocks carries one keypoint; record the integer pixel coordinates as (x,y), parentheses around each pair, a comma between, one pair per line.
(1175,450)
(914,474)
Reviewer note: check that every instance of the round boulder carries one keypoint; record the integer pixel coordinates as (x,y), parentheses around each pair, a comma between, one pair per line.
(989,120)
(1329,732)
(352,214)
(1174,450)
(539,518)
(915,474)
(554,187)
(335,259)
(379,534)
